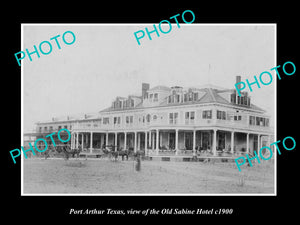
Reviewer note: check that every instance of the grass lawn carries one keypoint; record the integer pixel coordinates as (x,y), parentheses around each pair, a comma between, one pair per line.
(80,176)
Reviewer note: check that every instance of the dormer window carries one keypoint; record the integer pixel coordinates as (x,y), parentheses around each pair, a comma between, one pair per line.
(148,117)
(240,100)
(195,96)
(155,97)
(190,96)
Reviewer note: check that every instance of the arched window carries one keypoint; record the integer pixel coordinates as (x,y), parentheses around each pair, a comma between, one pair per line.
(148,117)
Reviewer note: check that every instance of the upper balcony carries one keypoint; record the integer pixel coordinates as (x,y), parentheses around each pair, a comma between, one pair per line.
(170,123)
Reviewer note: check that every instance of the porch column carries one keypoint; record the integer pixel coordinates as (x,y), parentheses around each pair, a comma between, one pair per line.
(72,141)
(101,140)
(135,141)
(146,134)
(116,141)
(176,142)
(201,136)
(157,142)
(146,149)
(247,144)
(258,143)
(214,144)
(150,140)
(91,144)
(232,142)
(106,138)
(77,137)
(153,143)
(194,142)
(82,141)
(86,140)
(125,140)
(139,141)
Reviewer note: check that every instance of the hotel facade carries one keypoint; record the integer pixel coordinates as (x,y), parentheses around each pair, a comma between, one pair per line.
(171,121)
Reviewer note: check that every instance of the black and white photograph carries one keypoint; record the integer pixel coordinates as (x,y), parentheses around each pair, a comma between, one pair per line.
(162,117)
(144,113)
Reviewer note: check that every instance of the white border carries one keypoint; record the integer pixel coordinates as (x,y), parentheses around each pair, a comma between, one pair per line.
(153,194)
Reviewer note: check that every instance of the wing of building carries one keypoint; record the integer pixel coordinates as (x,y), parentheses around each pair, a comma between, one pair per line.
(171,121)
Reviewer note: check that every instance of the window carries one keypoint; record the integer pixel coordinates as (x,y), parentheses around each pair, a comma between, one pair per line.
(190,96)
(174,98)
(151,96)
(196,96)
(207,114)
(237,118)
(64,127)
(262,122)
(117,120)
(185,98)
(221,115)
(131,103)
(252,120)
(245,100)
(233,98)
(189,117)
(50,128)
(241,100)
(155,97)
(105,120)
(173,118)
(129,119)
(192,115)
(148,118)
(155,117)
(259,121)
(267,122)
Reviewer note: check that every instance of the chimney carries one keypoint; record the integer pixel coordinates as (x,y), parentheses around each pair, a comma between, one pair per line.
(237,80)
(145,88)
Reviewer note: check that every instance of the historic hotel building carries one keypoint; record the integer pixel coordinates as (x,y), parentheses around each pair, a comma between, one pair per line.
(171,121)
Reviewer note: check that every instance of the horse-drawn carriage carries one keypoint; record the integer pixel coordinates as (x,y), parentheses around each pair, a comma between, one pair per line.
(113,152)
(62,149)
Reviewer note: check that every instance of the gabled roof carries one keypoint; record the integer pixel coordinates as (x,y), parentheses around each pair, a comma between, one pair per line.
(211,96)
(219,99)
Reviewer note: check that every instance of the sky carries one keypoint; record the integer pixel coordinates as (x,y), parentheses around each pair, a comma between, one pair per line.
(106,61)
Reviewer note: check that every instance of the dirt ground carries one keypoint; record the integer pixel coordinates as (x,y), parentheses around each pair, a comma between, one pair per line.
(102,176)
